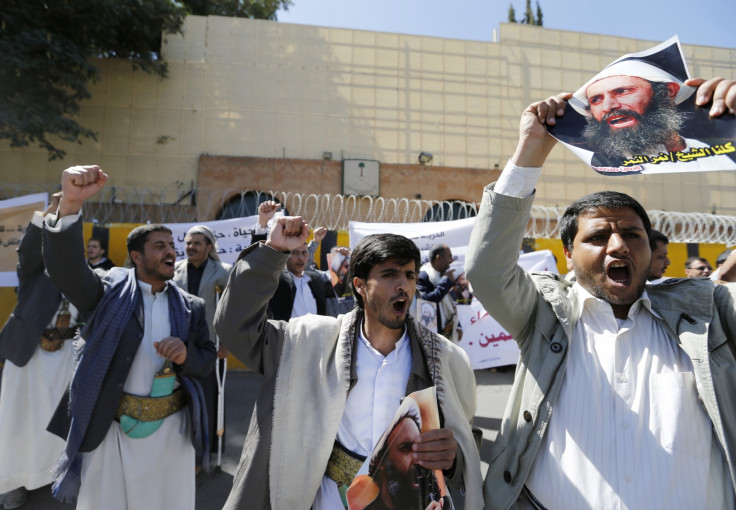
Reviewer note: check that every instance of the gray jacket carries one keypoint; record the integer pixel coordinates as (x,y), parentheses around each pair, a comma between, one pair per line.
(215,273)
(537,310)
(37,303)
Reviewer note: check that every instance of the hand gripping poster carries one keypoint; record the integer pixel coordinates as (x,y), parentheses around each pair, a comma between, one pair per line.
(389,478)
(637,116)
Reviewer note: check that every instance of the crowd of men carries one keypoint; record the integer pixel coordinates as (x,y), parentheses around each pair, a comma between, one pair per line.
(623,393)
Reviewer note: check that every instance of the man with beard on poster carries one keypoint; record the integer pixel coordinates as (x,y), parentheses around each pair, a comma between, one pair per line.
(402,484)
(637,116)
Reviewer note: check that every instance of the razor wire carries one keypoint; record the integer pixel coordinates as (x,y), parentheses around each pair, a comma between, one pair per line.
(129,204)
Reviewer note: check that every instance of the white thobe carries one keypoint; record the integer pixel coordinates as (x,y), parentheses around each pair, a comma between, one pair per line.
(28,399)
(370,406)
(152,472)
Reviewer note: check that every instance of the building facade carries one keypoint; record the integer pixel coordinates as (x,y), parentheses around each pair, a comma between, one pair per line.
(261,105)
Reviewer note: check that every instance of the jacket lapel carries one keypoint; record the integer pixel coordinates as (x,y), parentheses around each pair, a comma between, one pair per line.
(138,312)
(207,276)
(181,278)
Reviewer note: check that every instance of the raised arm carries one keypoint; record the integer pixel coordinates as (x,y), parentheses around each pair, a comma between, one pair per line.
(63,242)
(241,312)
(505,290)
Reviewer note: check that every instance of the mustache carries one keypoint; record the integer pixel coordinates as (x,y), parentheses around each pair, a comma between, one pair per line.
(617,113)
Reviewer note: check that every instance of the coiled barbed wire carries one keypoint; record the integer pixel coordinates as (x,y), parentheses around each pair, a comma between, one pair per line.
(129,204)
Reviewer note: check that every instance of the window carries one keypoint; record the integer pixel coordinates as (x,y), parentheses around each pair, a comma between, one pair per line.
(246,204)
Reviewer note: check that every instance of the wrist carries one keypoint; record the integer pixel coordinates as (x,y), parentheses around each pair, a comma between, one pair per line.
(276,246)
(533,152)
(69,207)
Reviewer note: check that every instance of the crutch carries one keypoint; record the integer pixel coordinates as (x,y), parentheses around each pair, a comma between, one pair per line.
(220,374)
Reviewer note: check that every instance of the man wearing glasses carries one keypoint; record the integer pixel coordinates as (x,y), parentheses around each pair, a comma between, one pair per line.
(697,267)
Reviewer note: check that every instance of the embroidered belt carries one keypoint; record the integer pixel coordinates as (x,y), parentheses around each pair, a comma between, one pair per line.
(150,408)
(53,338)
(343,465)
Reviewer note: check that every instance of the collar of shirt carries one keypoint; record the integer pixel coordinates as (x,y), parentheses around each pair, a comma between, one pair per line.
(393,355)
(299,279)
(146,288)
(585,298)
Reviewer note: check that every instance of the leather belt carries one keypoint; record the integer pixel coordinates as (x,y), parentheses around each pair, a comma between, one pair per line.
(151,408)
(343,465)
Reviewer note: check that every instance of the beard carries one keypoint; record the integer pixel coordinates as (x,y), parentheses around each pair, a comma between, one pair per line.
(586,280)
(390,321)
(400,487)
(151,269)
(657,127)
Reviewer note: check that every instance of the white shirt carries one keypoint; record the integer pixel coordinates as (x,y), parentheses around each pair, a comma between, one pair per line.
(304,301)
(627,430)
(156,327)
(370,406)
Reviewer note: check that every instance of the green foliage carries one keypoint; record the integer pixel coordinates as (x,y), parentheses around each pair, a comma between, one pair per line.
(256,9)
(528,13)
(529,17)
(45,51)
(512,14)
(539,16)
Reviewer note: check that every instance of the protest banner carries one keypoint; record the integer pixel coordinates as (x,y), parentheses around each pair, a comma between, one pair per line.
(636,116)
(425,234)
(482,338)
(233,236)
(15,213)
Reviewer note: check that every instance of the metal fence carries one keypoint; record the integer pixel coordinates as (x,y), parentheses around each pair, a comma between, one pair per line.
(126,204)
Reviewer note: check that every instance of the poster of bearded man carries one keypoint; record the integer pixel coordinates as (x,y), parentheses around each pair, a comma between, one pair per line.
(389,478)
(637,116)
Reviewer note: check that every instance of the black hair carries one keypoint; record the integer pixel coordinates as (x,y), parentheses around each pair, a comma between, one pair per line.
(378,248)
(436,250)
(598,200)
(103,244)
(655,236)
(690,261)
(722,257)
(139,235)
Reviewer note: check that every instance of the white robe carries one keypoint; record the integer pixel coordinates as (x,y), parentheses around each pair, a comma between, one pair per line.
(153,472)
(28,398)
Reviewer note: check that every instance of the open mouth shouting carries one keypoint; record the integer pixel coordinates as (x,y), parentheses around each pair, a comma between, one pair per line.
(618,272)
(401,305)
(620,119)
(169,261)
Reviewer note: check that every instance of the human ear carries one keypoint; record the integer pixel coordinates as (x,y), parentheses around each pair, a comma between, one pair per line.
(358,285)
(568,257)
(673,89)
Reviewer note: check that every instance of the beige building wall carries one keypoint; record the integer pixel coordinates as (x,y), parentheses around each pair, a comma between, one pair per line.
(261,89)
